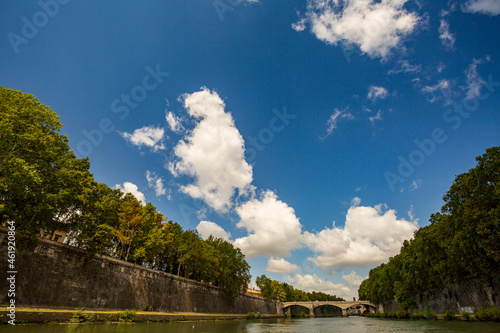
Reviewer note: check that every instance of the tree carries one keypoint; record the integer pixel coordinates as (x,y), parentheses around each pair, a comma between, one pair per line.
(130,220)
(233,272)
(461,241)
(40,177)
(93,227)
(473,207)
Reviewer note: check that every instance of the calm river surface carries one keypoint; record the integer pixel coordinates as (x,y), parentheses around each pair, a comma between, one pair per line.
(317,325)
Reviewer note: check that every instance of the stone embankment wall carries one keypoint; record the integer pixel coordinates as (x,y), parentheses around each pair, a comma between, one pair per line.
(57,275)
(466,295)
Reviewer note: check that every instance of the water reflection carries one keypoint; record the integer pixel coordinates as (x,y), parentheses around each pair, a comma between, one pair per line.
(317,325)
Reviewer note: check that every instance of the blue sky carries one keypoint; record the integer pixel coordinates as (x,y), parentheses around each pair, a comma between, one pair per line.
(316,135)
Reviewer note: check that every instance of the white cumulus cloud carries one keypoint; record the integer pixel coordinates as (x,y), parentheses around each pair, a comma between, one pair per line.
(447,38)
(207,228)
(280,265)
(129,187)
(443,90)
(334,119)
(312,283)
(212,153)
(174,122)
(488,7)
(353,279)
(376,27)
(474,81)
(375,93)
(369,237)
(404,66)
(273,228)
(155,182)
(148,136)
(376,117)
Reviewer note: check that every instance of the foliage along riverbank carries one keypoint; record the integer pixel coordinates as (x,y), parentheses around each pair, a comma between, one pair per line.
(481,314)
(461,241)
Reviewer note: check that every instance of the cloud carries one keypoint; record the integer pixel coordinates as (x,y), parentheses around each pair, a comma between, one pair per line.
(375,93)
(300,25)
(273,228)
(207,228)
(488,7)
(376,117)
(280,265)
(148,136)
(447,38)
(129,187)
(440,91)
(474,81)
(369,237)
(440,67)
(353,279)
(404,66)
(155,183)
(376,27)
(312,283)
(212,153)
(415,184)
(334,118)
(174,122)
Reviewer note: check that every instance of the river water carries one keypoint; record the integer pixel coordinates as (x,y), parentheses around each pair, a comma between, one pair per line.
(316,325)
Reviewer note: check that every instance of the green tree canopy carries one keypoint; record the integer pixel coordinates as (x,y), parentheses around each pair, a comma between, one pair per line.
(461,241)
(40,177)
(283,292)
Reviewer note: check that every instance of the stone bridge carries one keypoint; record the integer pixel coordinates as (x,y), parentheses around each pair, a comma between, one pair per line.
(347,308)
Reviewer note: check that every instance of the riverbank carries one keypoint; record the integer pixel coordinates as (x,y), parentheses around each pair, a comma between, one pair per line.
(491,314)
(46,316)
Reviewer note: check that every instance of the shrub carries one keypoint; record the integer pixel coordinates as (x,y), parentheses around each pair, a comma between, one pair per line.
(465,315)
(79,316)
(417,315)
(402,315)
(449,315)
(251,315)
(490,314)
(429,314)
(147,308)
(494,313)
(126,316)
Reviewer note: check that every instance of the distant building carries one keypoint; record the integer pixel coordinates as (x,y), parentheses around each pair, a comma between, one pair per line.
(253,292)
(56,236)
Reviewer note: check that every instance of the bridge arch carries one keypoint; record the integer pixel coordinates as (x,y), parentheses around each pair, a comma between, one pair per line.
(326,310)
(297,309)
